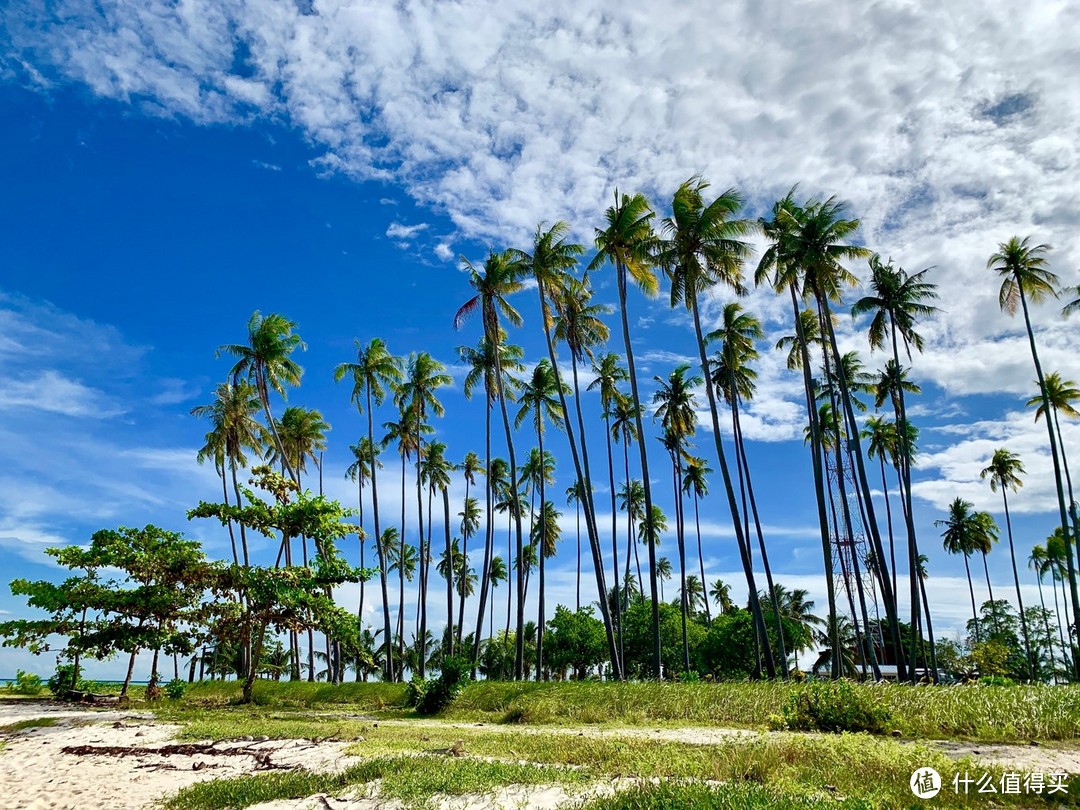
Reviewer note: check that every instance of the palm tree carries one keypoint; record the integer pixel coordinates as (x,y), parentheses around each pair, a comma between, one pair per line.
(695,594)
(497,574)
(1055,553)
(266,362)
(482,369)
(882,438)
(552,259)
(572,497)
(1041,563)
(539,398)
(632,501)
(470,524)
(1004,471)
(499,279)
(663,573)
(234,432)
(808,246)
(704,248)
(627,242)
(897,300)
(609,373)
(721,595)
(676,413)
(365,460)
(1025,277)
(968,531)
(374,371)
(695,483)
(436,470)
(794,607)
(624,431)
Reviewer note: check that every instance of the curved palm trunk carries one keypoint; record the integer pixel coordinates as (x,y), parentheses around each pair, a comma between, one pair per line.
(449,568)
(614,521)
(733,506)
(583,479)
(1057,618)
(620,273)
(388,657)
(888,518)
(701,555)
(360,539)
(990,588)
(220,469)
(684,601)
(577,599)
(1062,509)
(1016,582)
(425,554)
(1046,624)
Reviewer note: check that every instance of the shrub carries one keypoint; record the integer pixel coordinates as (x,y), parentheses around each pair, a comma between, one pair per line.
(26,683)
(996,680)
(440,693)
(835,706)
(63,680)
(175,689)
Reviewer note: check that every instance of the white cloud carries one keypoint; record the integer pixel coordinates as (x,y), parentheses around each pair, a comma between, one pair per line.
(399,231)
(54,393)
(444,252)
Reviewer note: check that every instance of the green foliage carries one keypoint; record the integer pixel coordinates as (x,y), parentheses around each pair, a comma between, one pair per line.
(834,706)
(63,680)
(26,683)
(637,638)
(697,796)
(175,688)
(996,680)
(575,641)
(435,695)
(727,651)
(990,658)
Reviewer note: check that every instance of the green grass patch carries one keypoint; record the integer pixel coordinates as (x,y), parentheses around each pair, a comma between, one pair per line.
(374,696)
(411,780)
(696,796)
(232,723)
(860,767)
(22,725)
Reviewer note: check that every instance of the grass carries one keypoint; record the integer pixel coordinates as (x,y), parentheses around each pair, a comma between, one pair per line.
(22,725)
(374,696)
(410,780)
(667,795)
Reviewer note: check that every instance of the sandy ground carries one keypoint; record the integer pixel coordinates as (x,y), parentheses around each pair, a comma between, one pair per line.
(36,774)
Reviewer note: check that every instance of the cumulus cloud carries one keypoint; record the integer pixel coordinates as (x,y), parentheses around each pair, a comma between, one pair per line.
(397,230)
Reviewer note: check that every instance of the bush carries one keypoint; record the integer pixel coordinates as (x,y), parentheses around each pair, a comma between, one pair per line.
(26,683)
(835,706)
(436,695)
(63,680)
(175,689)
(996,680)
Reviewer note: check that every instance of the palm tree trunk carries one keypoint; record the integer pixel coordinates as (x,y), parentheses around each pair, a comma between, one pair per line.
(425,554)
(620,272)
(614,521)
(1062,510)
(584,482)
(1016,582)
(388,657)
(541,554)
(684,603)
(971,588)
(449,569)
(990,588)
(577,598)
(401,575)
(360,540)
(1046,623)
(220,468)
(888,517)
(701,556)
(733,506)
(489,540)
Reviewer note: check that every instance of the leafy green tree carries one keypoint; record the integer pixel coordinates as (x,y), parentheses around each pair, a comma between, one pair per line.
(576,641)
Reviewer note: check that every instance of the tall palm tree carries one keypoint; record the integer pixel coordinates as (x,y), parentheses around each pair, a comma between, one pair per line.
(436,470)
(898,299)
(627,242)
(1022,267)
(632,501)
(882,438)
(494,284)
(1004,471)
(966,532)
(1040,562)
(696,484)
(551,263)
(365,460)
(675,410)
(374,371)
(470,524)
(609,373)
(663,573)
(695,594)
(735,379)
(1055,553)
(482,371)
(497,575)
(234,433)
(703,247)
(266,362)
(540,402)
(809,244)
(572,497)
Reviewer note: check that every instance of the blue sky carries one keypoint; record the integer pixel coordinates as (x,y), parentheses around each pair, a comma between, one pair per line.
(168,170)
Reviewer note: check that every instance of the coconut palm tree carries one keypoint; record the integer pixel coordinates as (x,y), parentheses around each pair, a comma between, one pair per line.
(1004,471)
(499,278)
(720,592)
(572,497)
(663,573)
(470,524)
(1061,395)
(373,373)
(695,595)
(966,532)
(482,370)
(435,471)
(703,247)
(540,402)
(627,242)
(365,460)
(632,501)
(234,433)
(497,575)
(266,362)
(551,262)
(881,438)
(696,484)
(1040,562)
(1022,267)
